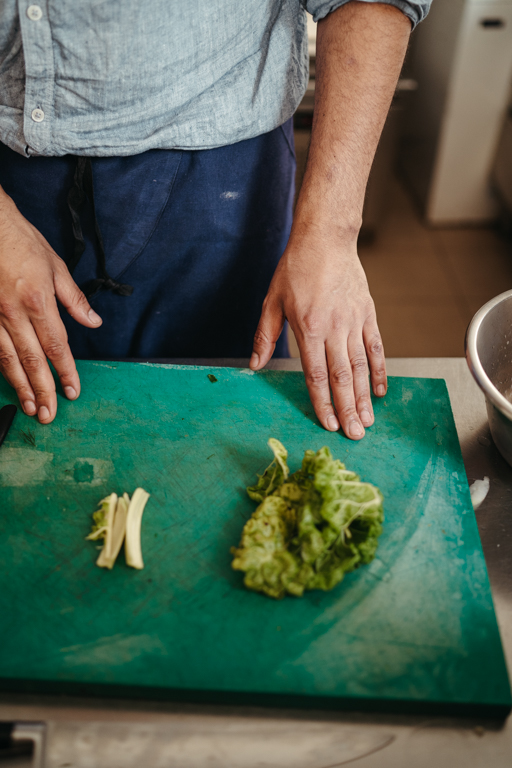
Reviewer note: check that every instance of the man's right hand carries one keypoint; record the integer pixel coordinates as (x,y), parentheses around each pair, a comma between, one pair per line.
(32,279)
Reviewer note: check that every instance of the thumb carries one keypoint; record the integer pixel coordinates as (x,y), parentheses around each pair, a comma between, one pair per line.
(268,331)
(72,298)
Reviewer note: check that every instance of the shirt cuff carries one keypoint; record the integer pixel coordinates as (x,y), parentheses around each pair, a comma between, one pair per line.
(415,10)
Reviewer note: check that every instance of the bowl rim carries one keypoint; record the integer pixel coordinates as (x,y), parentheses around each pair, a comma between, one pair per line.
(473,360)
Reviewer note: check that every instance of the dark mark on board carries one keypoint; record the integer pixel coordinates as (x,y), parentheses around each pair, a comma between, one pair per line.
(29,438)
(212,378)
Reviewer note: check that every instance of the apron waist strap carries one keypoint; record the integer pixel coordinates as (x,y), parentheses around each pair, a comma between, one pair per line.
(81,191)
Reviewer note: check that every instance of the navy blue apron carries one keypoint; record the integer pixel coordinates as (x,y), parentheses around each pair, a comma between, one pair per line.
(196,234)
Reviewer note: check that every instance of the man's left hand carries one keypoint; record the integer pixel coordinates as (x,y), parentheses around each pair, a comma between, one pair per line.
(321,289)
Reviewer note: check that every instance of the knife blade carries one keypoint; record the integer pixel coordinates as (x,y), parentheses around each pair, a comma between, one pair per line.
(7,414)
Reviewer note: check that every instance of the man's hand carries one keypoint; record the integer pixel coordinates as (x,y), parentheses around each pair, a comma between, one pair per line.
(32,278)
(319,285)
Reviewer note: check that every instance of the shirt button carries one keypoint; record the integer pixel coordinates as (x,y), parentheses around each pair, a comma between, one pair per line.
(34,12)
(37,115)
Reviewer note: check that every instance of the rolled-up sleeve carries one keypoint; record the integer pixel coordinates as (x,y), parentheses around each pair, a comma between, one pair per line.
(415,10)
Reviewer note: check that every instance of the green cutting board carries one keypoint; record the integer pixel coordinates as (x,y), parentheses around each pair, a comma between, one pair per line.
(413,631)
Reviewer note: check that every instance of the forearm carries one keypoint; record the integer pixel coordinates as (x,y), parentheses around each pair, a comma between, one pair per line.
(360,51)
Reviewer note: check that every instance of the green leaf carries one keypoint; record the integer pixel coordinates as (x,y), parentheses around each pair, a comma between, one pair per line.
(310,528)
(274,475)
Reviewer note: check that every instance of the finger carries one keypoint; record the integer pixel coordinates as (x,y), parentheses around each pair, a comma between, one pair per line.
(314,365)
(72,298)
(33,362)
(359,365)
(376,359)
(342,385)
(53,338)
(267,333)
(11,369)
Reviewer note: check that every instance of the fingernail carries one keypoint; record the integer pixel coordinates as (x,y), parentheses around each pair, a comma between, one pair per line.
(29,407)
(366,417)
(255,359)
(44,413)
(355,429)
(332,423)
(381,390)
(70,393)
(94,317)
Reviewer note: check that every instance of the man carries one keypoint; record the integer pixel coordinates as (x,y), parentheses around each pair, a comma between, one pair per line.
(148,147)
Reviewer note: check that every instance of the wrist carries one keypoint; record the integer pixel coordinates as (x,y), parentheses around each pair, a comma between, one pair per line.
(314,246)
(329,207)
(339,228)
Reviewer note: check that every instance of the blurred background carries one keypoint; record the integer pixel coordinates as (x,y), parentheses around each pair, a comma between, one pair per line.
(436,241)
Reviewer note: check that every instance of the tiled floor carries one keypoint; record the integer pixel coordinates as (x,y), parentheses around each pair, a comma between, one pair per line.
(427,283)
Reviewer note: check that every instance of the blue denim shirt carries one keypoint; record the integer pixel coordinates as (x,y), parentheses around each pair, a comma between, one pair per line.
(119,77)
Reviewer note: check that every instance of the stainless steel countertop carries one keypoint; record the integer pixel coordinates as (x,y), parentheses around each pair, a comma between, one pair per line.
(84,733)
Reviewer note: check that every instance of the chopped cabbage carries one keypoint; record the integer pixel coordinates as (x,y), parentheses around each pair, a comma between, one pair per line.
(310,527)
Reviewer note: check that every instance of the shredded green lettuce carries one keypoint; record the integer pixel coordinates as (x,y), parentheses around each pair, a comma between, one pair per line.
(310,528)
(104,519)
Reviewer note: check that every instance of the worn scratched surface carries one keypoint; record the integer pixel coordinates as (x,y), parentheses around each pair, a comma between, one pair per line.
(416,627)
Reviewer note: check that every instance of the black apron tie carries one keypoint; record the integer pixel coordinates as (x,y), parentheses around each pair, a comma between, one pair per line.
(81,191)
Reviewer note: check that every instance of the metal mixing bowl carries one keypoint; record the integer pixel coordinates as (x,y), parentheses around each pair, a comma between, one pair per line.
(489,356)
